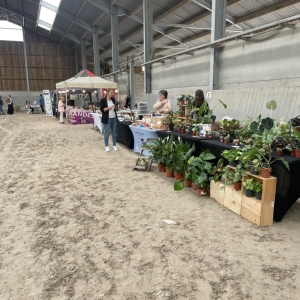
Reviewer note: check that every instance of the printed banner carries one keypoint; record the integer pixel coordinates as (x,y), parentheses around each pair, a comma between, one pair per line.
(80,117)
(48,104)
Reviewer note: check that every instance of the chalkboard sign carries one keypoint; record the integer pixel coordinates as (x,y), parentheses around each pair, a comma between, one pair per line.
(250,163)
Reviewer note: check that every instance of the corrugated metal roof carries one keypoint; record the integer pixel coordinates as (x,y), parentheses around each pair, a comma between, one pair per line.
(183,14)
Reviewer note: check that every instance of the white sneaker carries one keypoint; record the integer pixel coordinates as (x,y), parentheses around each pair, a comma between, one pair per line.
(115,148)
(107,149)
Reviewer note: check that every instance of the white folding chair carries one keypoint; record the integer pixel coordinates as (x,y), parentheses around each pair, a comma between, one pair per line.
(29,111)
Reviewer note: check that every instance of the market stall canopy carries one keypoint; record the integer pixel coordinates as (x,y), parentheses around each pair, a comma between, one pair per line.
(87,80)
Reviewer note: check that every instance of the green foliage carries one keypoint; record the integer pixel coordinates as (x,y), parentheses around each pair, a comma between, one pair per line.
(230,155)
(239,173)
(271,105)
(257,187)
(178,185)
(172,117)
(249,184)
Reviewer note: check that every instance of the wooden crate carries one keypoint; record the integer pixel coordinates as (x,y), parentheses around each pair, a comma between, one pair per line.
(216,192)
(269,187)
(257,212)
(233,199)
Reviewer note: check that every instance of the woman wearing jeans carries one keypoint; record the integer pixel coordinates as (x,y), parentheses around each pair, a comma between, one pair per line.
(109,119)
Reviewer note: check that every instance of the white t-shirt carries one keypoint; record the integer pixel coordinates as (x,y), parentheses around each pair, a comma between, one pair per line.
(112,113)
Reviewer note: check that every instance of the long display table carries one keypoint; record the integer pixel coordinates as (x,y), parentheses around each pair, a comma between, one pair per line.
(124,135)
(97,121)
(287,191)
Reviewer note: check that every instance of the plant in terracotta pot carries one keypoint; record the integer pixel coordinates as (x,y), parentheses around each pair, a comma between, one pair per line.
(188,178)
(227,176)
(181,155)
(157,149)
(168,153)
(164,125)
(279,151)
(227,139)
(249,187)
(195,129)
(239,173)
(180,99)
(236,142)
(218,170)
(257,187)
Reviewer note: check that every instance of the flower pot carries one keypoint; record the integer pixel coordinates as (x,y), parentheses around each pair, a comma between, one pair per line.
(181,102)
(265,173)
(187,183)
(279,153)
(187,132)
(253,172)
(165,127)
(194,186)
(258,195)
(249,193)
(194,133)
(178,176)
(201,192)
(297,153)
(293,152)
(237,185)
(169,173)
(232,164)
(161,167)
(226,141)
(206,136)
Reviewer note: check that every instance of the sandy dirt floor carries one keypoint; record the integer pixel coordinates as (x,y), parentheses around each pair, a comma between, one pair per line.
(79,223)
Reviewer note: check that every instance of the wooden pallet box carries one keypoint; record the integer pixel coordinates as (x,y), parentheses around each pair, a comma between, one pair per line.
(233,199)
(216,192)
(256,211)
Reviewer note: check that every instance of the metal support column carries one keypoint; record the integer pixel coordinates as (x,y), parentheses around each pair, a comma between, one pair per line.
(115,40)
(148,41)
(76,61)
(132,84)
(96,50)
(218,27)
(83,55)
(26,65)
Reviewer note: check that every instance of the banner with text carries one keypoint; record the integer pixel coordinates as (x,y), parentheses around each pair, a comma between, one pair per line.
(48,104)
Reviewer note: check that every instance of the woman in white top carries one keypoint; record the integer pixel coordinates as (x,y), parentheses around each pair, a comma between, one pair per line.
(109,119)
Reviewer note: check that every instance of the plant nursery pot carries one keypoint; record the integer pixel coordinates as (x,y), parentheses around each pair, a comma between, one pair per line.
(293,152)
(237,185)
(194,133)
(265,173)
(249,193)
(226,141)
(187,183)
(258,195)
(169,173)
(232,164)
(253,172)
(165,127)
(178,176)
(201,192)
(279,153)
(161,167)
(171,127)
(194,186)
(297,153)
(187,132)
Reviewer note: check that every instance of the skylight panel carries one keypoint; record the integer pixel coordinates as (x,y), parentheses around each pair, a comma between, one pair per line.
(53,2)
(47,15)
(10,32)
(43,26)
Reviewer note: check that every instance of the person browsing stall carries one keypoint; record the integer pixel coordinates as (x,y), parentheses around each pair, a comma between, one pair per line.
(61,109)
(109,119)
(162,105)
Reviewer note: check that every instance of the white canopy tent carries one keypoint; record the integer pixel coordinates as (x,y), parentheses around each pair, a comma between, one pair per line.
(86,83)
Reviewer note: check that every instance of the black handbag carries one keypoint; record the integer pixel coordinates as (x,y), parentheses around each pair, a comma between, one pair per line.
(296,121)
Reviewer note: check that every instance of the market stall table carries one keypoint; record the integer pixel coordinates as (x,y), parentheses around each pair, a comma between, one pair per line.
(140,134)
(97,121)
(124,135)
(287,191)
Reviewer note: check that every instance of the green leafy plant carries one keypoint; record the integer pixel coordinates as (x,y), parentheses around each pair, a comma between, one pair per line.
(157,149)
(182,153)
(230,155)
(205,114)
(239,173)
(257,187)
(249,184)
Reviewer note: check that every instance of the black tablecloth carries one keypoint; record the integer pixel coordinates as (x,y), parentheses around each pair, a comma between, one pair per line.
(124,135)
(287,190)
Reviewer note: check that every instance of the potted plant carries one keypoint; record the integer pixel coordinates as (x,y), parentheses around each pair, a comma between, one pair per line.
(239,173)
(236,142)
(222,139)
(227,139)
(206,134)
(180,99)
(182,153)
(195,129)
(172,119)
(279,151)
(249,186)
(231,156)
(258,190)
(227,176)
(218,171)
(164,125)
(169,150)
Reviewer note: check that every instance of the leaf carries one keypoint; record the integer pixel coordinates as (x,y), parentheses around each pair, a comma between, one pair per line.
(285,163)
(178,185)
(224,105)
(271,105)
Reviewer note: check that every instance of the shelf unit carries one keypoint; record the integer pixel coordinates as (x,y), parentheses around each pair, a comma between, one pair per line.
(259,212)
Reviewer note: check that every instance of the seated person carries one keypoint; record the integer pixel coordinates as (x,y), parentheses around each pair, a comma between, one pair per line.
(162,105)
(199,100)
(28,105)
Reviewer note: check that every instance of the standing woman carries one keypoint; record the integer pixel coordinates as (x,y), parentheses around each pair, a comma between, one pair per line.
(109,119)
(10,109)
(61,109)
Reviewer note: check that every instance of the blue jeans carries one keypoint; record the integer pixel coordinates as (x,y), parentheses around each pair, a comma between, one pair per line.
(1,110)
(111,125)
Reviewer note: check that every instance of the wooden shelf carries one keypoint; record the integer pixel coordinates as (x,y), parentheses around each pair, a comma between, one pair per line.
(185,118)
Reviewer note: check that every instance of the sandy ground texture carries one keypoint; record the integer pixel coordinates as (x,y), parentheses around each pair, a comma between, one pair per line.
(79,223)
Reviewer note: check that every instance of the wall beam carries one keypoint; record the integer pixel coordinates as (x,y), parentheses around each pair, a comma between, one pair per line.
(115,40)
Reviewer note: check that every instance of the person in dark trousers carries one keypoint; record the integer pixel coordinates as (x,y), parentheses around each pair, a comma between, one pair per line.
(1,104)
(127,104)
(109,119)
(42,102)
